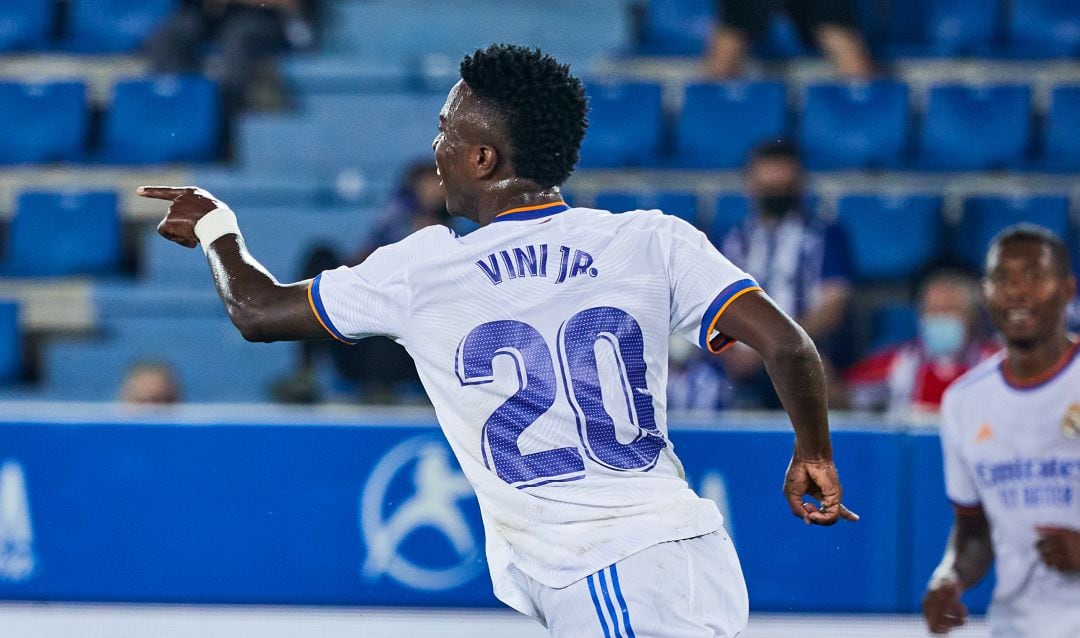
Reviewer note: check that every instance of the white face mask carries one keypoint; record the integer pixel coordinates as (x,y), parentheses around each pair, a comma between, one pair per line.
(942,335)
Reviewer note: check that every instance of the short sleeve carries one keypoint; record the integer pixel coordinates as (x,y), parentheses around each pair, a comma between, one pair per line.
(703,284)
(959,483)
(368,299)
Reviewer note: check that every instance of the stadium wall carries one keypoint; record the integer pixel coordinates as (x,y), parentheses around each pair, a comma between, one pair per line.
(275,507)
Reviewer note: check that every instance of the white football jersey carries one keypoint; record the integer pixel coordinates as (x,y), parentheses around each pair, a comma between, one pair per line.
(1014,449)
(542,341)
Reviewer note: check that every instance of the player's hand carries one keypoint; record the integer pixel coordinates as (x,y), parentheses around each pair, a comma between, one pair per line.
(819,479)
(942,607)
(189,205)
(1059,548)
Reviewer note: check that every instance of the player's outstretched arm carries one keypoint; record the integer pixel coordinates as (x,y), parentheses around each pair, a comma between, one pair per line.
(260,307)
(968,556)
(795,368)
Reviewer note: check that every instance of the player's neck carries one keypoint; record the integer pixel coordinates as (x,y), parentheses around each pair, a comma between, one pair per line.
(1031,361)
(510,194)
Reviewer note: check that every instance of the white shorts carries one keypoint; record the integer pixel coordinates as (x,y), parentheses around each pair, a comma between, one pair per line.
(692,588)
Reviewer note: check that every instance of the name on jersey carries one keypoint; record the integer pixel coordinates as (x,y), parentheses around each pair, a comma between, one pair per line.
(533,261)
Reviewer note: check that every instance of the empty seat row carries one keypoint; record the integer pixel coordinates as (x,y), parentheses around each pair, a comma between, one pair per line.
(890,237)
(1008,28)
(168,118)
(89,26)
(841,125)
(10,342)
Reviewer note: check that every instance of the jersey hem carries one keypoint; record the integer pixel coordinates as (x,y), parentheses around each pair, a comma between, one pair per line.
(317,307)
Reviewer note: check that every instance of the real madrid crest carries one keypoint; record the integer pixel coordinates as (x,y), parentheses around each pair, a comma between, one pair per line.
(1070,424)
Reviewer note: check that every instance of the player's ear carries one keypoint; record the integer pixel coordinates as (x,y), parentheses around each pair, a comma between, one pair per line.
(486,161)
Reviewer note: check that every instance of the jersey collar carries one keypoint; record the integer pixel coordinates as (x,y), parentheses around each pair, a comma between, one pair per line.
(531,212)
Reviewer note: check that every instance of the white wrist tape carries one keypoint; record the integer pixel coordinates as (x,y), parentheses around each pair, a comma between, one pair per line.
(217,223)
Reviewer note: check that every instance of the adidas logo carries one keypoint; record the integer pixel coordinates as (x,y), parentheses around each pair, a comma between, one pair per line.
(985,433)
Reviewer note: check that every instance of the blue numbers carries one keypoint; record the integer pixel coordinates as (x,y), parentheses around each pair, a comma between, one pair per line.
(617,330)
(535,395)
(579,338)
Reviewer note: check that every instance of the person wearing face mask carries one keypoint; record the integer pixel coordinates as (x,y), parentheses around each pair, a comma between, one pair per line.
(802,262)
(912,377)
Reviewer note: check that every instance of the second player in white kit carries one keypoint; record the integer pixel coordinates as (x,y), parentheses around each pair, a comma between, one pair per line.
(1011,445)
(542,339)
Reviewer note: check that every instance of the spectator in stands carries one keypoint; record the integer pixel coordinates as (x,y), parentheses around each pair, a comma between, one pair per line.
(831,24)
(150,383)
(380,369)
(694,380)
(248,33)
(802,263)
(912,377)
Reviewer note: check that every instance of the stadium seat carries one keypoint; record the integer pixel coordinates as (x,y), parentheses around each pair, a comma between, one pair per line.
(1061,141)
(55,234)
(721,122)
(112,26)
(854,125)
(890,236)
(10,342)
(25,25)
(42,122)
(167,118)
(682,205)
(893,324)
(962,27)
(625,125)
(984,217)
(976,127)
(730,211)
(212,362)
(676,27)
(279,237)
(1044,28)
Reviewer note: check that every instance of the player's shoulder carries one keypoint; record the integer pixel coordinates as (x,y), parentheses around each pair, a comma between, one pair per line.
(422,240)
(645,220)
(976,380)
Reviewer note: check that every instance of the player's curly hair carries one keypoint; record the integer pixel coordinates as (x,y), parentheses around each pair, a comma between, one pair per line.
(543,106)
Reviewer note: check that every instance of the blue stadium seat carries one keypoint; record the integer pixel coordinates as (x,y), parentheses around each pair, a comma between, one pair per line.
(721,122)
(279,237)
(10,342)
(893,324)
(1061,142)
(854,125)
(55,234)
(682,205)
(677,27)
(730,211)
(1044,28)
(972,127)
(113,26)
(984,217)
(625,125)
(212,361)
(167,118)
(42,122)
(962,27)
(25,24)
(890,236)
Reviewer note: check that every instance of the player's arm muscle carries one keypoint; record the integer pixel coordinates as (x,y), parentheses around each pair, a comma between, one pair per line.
(793,364)
(260,307)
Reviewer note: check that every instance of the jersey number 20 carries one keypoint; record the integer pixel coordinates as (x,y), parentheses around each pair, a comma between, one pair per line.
(576,350)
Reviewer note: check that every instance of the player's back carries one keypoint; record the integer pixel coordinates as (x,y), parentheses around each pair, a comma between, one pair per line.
(542,342)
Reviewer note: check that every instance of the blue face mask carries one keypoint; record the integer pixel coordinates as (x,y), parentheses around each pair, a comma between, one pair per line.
(942,335)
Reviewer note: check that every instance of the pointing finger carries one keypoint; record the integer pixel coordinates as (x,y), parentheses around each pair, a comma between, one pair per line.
(168,193)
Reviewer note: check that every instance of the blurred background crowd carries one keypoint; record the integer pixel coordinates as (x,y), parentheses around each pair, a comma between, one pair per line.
(855,156)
